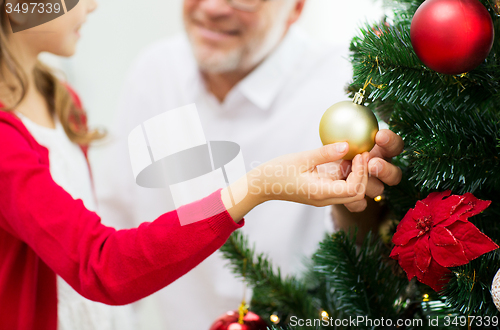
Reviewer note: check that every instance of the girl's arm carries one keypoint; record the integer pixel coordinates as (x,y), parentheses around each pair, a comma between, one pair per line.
(102,264)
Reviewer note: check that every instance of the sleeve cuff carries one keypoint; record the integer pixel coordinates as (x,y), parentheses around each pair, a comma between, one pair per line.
(213,210)
(222,223)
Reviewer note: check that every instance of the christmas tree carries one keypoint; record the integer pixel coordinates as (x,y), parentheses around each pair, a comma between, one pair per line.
(450,124)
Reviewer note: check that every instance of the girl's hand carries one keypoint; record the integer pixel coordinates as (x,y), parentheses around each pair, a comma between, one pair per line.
(381,171)
(297,178)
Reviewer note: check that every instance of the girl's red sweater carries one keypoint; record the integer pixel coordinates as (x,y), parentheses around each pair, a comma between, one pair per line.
(44,232)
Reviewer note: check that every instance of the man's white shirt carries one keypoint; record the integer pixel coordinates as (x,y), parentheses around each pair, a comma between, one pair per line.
(275,110)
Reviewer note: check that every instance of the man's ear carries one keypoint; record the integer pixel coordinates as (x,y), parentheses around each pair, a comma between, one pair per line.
(297,9)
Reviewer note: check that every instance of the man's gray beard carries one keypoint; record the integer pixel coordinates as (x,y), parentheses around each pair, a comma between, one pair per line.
(240,59)
(219,62)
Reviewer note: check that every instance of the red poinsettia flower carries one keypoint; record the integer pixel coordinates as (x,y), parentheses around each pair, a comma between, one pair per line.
(436,234)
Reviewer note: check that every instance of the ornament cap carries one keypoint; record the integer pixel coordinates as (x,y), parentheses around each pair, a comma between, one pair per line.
(359,96)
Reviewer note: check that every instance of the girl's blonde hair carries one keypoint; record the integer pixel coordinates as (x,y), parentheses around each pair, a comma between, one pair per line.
(59,99)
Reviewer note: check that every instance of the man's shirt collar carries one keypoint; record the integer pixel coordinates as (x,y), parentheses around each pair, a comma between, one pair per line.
(263,84)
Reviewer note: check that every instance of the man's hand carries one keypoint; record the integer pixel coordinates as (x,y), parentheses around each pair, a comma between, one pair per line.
(388,145)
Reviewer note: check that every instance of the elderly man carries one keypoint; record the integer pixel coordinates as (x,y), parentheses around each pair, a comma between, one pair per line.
(257,81)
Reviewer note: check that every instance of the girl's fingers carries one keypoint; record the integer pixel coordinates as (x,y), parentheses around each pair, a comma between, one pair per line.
(354,185)
(332,171)
(358,178)
(327,190)
(360,204)
(355,177)
(345,168)
(345,201)
(326,154)
(364,181)
(349,191)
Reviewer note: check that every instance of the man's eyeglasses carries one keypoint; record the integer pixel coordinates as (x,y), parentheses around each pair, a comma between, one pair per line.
(246,5)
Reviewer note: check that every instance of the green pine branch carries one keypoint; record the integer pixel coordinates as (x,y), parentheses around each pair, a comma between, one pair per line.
(271,291)
(405,195)
(449,150)
(469,289)
(361,281)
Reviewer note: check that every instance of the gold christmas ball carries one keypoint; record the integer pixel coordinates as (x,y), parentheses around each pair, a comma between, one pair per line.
(352,123)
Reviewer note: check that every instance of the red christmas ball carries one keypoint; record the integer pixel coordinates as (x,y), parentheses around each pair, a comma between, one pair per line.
(452,36)
(229,321)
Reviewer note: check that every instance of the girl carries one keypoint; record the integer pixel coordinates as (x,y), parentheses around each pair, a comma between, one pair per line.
(46,223)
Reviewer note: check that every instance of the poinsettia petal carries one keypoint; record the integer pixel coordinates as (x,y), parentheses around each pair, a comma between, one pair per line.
(445,209)
(477,205)
(441,236)
(406,230)
(436,198)
(395,252)
(454,217)
(466,205)
(474,242)
(406,258)
(421,211)
(423,253)
(402,237)
(436,276)
(448,255)
(464,217)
